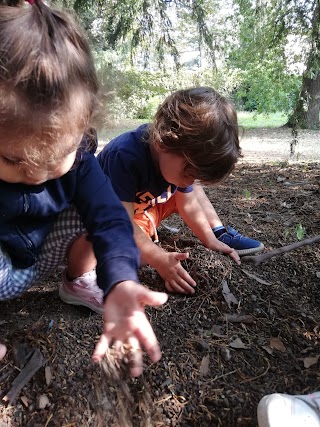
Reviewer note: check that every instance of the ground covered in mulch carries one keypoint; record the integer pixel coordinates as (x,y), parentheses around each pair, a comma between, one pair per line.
(246,332)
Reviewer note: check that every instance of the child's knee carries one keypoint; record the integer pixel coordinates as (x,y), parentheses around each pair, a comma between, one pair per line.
(10,289)
(13,282)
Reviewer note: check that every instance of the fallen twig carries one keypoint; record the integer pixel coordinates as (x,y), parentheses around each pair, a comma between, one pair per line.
(25,376)
(258,259)
(237,318)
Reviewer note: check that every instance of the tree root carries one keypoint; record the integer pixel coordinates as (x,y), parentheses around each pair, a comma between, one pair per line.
(258,259)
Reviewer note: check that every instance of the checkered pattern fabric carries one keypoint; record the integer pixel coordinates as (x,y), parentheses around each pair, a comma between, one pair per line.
(53,253)
(13,281)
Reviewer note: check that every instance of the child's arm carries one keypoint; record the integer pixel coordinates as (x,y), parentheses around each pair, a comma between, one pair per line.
(110,231)
(125,322)
(194,216)
(167,264)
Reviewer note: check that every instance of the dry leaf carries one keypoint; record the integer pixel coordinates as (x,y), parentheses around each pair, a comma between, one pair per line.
(217,331)
(310,361)
(225,354)
(48,375)
(256,230)
(239,318)
(204,367)
(253,276)
(227,295)
(267,349)
(286,205)
(25,401)
(237,343)
(172,229)
(277,344)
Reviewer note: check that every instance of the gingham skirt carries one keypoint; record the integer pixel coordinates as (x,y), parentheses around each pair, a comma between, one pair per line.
(14,281)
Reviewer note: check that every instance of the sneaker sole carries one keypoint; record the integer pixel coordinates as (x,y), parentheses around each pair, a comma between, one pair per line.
(250,251)
(68,299)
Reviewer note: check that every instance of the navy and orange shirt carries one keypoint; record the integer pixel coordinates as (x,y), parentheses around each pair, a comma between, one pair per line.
(128,162)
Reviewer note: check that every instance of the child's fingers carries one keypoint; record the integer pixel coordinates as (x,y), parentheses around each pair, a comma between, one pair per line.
(175,287)
(135,357)
(224,248)
(185,276)
(149,341)
(235,256)
(168,286)
(229,251)
(181,256)
(101,348)
(153,298)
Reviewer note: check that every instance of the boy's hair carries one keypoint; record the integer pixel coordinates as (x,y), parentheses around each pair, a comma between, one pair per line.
(201,125)
(48,82)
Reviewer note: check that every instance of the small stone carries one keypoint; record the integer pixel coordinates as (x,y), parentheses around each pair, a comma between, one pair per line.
(202,345)
(225,354)
(43,401)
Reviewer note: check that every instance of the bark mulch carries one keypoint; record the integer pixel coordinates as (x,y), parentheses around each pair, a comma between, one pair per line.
(248,331)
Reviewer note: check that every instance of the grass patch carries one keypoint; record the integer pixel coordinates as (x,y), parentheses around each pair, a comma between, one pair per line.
(106,134)
(251,120)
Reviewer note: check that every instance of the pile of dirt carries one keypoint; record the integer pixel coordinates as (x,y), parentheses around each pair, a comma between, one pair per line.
(246,332)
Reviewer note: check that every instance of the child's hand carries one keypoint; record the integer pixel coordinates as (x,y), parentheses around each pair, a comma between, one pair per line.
(176,278)
(125,322)
(225,249)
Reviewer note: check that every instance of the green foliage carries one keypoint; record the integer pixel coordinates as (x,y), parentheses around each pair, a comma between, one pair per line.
(253,120)
(148,28)
(265,84)
(260,91)
(265,28)
(299,232)
(247,194)
(132,93)
(237,46)
(137,94)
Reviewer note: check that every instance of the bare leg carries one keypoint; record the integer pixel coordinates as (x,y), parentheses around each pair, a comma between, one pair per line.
(81,258)
(207,207)
(79,283)
(242,244)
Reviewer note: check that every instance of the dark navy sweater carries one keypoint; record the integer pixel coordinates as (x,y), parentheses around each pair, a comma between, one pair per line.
(28,212)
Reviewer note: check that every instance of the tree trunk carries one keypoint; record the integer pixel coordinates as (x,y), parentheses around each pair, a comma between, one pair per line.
(307,109)
(312,114)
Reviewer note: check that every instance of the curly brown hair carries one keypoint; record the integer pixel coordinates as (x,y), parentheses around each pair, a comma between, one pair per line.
(48,82)
(202,126)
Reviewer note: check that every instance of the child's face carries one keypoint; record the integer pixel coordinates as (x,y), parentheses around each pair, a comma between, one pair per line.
(172,168)
(15,169)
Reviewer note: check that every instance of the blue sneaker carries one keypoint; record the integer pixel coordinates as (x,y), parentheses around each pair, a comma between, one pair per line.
(231,237)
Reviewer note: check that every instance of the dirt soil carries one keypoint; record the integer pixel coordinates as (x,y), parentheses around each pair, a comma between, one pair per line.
(248,331)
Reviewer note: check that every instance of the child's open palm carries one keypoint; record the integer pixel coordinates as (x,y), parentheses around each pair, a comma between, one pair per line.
(125,323)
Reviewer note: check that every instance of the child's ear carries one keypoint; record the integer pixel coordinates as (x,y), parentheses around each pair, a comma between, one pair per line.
(160,148)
